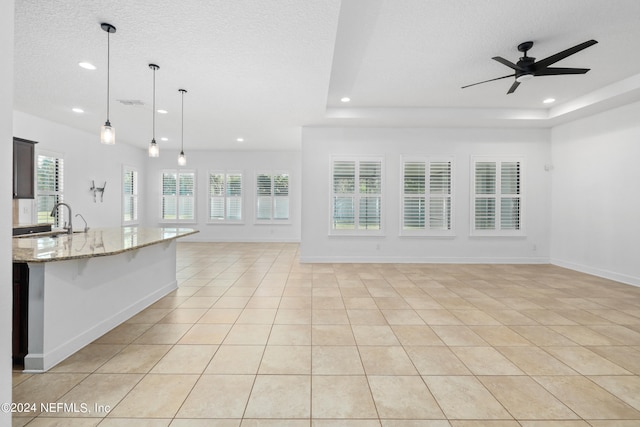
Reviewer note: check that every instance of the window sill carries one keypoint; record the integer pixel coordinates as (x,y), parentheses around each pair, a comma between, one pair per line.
(225,223)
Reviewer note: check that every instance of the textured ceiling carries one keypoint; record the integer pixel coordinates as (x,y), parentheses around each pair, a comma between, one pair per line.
(261,70)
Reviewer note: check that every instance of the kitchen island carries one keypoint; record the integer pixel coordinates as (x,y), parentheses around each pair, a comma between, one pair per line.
(82,285)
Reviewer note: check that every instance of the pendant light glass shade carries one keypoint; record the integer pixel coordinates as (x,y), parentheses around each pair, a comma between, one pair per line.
(107,132)
(182,159)
(154,150)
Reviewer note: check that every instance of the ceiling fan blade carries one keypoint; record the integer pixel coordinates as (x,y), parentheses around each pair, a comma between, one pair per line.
(487,81)
(561,55)
(506,62)
(558,71)
(513,87)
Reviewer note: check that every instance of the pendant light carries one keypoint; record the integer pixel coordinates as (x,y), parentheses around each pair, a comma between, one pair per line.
(182,160)
(108,133)
(154,150)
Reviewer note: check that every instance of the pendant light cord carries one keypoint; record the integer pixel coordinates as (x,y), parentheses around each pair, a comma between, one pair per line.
(108,66)
(154,104)
(182,129)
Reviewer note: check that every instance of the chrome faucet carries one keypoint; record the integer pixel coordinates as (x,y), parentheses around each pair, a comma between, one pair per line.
(86,227)
(54,212)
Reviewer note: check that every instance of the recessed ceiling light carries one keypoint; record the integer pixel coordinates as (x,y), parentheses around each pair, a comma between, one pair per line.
(77,110)
(87,65)
(162,111)
(239,139)
(345,99)
(549,100)
(164,139)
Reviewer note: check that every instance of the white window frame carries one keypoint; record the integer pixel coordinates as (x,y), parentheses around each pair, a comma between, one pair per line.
(134,196)
(428,197)
(179,198)
(274,198)
(225,198)
(60,218)
(498,197)
(357,196)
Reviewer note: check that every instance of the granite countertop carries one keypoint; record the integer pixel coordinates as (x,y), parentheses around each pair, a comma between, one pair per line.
(94,243)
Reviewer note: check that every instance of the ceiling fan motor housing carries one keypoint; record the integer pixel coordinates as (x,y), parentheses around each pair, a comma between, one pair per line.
(527,68)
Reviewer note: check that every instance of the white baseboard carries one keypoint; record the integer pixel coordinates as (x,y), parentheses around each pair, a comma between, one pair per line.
(605,274)
(195,239)
(423,260)
(35,363)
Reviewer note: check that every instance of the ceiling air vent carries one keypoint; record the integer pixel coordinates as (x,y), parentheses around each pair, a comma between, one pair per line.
(134,102)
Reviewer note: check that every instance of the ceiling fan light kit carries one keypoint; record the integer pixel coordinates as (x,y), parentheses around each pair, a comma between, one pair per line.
(527,67)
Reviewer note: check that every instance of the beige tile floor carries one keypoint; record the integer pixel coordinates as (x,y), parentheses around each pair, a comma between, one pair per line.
(252,337)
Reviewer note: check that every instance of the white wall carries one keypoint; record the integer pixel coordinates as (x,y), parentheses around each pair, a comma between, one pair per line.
(6,194)
(85,159)
(248,162)
(319,144)
(596,196)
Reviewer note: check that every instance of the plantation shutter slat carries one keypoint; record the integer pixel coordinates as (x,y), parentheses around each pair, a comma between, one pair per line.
(130,195)
(510,178)
(263,189)
(225,196)
(440,178)
(216,196)
(169,195)
(486,178)
(370,182)
(414,213)
(510,206)
(216,208)
(485,213)
(344,186)
(234,196)
(272,196)
(178,196)
(186,205)
(344,177)
(281,196)
(414,178)
(357,195)
(370,177)
(510,213)
(440,213)
(498,198)
(50,186)
(427,187)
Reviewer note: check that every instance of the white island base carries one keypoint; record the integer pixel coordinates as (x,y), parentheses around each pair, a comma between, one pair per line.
(73,302)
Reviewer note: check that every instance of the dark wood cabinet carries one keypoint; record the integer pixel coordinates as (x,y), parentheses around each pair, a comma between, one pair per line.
(23,168)
(20,326)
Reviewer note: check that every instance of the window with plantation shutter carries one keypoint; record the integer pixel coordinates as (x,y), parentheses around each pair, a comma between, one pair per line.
(178,196)
(272,197)
(49,189)
(129,195)
(427,192)
(497,197)
(225,196)
(356,201)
